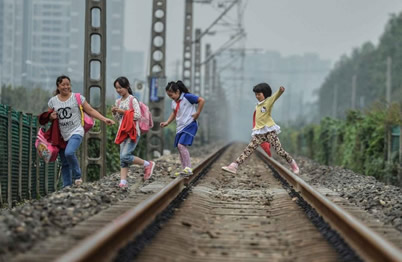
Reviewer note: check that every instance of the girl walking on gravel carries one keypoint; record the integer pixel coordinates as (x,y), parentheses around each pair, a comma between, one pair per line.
(127,112)
(186,114)
(265,129)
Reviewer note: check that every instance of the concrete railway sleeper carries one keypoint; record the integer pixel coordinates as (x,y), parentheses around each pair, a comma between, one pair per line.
(243,217)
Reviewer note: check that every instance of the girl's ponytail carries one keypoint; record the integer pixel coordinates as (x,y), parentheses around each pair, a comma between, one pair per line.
(174,86)
(182,87)
(129,90)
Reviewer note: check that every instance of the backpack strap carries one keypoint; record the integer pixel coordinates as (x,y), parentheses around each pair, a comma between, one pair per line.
(78,98)
(131,102)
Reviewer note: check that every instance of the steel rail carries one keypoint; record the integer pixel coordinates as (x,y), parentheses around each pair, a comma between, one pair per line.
(102,245)
(367,243)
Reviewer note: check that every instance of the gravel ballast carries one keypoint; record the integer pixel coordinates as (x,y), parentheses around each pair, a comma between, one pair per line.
(33,221)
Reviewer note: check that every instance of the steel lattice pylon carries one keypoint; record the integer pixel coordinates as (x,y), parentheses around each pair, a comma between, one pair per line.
(94,77)
(157,79)
(188,42)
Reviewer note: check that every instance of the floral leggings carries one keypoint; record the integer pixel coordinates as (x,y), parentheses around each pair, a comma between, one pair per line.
(269,137)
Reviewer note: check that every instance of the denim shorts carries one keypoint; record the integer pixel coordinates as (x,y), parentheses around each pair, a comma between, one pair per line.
(126,149)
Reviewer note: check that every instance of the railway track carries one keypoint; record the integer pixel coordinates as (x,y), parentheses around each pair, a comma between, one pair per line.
(215,216)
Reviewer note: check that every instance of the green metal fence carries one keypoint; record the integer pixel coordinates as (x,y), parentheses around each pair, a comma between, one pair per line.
(23,175)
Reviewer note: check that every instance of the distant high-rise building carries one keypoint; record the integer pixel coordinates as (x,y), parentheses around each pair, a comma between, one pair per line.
(76,45)
(42,39)
(12,45)
(133,65)
(49,40)
(1,30)
(35,41)
(115,41)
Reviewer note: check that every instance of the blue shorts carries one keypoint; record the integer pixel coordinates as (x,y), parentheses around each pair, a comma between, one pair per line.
(186,136)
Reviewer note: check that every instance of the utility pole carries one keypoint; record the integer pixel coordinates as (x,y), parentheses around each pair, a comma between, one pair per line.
(197,63)
(354,92)
(335,101)
(214,89)
(94,77)
(206,94)
(388,102)
(157,78)
(388,81)
(188,40)
(197,77)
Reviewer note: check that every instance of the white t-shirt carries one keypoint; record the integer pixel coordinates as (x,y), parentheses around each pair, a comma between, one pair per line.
(125,105)
(69,116)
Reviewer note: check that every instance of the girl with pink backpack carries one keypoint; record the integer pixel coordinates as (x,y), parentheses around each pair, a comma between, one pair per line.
(127,111)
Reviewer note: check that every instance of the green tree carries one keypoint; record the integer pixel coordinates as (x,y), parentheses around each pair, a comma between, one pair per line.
(29,100)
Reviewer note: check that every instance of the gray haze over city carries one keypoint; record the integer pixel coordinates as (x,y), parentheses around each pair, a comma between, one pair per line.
(325,30)
(329,28)
(288,42)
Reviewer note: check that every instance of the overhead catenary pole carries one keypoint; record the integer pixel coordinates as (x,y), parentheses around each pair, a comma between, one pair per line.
(95,78)
(206,94)
(335,102)
(207,74)
(197,64)
(354,92)
(187,45)
(388,85)
(157,78)
(388,81)
(214,87)
(197,79)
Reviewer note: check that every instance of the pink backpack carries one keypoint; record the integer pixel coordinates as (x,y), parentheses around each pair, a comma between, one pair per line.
(86,121)
(46,150)
(145,122)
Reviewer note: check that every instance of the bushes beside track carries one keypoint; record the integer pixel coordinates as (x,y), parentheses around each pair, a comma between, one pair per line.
(358,142)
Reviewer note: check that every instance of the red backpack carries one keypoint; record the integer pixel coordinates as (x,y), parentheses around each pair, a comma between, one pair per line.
(145,122)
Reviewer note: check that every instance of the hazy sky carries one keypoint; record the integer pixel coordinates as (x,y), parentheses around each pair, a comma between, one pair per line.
(327,27)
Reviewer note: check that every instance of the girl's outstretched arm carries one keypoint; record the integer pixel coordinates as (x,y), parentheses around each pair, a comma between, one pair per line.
(170,119)
(92,112)
(276,95)
(201,102)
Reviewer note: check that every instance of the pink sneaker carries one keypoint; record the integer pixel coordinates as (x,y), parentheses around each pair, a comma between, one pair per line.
(121,185)
(148,170)
(295,168)
(232,168)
